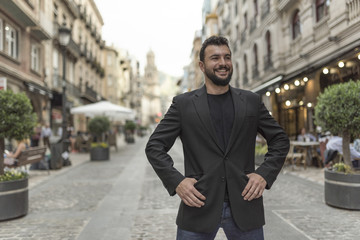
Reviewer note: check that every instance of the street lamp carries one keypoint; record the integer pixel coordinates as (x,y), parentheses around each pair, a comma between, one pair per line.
(64,39)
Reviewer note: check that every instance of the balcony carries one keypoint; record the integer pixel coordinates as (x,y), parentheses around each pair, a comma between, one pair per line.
(44,31)
(57,84)
(89,94)
(253,24)
(16,10)
(73,8)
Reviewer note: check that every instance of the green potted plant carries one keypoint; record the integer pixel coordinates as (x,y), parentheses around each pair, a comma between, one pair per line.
(17,121)
(129,127)
(337,111)
(98,126)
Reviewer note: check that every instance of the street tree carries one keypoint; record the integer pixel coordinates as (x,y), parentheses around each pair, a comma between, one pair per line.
(338,111)
(17,119)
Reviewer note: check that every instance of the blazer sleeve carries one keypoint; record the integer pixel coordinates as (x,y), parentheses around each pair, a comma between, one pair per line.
(278,145)
(160,143)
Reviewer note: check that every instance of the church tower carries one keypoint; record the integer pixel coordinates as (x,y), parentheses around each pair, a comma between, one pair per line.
(151,104)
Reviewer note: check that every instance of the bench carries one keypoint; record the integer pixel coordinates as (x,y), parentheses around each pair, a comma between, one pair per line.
(28,156)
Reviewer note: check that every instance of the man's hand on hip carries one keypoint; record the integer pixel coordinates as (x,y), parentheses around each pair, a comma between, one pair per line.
(255,187)
(188,193)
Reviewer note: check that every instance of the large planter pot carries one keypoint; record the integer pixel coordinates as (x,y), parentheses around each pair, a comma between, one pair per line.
(99,154)
(14,199)
(342,190)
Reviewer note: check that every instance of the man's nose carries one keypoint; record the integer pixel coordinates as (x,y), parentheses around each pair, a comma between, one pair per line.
(222,62)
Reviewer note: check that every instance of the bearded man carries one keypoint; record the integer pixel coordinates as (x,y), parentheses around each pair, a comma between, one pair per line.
(217,125)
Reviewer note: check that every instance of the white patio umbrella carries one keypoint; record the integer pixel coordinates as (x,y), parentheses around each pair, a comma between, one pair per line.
(104,108)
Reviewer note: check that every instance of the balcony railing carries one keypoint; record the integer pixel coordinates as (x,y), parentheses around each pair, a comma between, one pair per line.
(89,92)
(71,89)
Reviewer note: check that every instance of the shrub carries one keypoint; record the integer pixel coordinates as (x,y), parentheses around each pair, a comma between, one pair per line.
(98,126)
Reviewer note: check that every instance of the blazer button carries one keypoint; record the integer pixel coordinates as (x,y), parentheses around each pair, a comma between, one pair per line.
(223,179)
(226,158)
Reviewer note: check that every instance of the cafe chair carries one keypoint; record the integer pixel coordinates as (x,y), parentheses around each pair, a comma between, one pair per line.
(295,158)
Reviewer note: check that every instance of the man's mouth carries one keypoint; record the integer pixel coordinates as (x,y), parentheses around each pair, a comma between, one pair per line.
(222,71)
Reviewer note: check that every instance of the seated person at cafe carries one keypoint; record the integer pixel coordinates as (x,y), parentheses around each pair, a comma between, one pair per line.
(305,137)
(11,156)
(335,143)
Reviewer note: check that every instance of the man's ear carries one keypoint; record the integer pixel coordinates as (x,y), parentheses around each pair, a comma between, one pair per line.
(202,67)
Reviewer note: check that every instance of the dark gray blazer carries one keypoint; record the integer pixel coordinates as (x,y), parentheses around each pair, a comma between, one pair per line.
(189,118)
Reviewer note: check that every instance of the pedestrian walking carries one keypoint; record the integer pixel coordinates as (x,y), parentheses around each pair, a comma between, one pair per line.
(217,125)
(46,134)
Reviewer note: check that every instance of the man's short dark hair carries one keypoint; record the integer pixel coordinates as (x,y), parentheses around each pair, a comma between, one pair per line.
(213,40)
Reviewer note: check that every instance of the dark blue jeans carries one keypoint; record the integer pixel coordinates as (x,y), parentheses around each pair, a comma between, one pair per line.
(232,232)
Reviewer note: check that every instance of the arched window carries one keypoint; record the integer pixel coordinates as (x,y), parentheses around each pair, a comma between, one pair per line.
(245,74)
(245,21)
(256,10)
(245,64)
(322,8)
(255,51)
(268,42)
(296,25)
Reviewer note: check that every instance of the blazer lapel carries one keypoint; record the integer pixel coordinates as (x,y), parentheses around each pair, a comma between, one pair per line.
(240,110)
(202,108)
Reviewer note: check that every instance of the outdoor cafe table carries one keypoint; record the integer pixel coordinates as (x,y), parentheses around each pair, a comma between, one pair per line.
(308,148)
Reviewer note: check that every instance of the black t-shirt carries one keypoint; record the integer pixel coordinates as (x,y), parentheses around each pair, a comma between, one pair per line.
(222,115)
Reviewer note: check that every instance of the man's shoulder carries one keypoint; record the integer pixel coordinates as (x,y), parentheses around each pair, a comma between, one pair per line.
(187,95)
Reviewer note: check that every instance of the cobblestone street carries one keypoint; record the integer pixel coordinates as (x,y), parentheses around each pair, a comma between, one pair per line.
(123,199)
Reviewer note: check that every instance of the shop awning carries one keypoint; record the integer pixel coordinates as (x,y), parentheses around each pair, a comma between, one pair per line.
(267,84)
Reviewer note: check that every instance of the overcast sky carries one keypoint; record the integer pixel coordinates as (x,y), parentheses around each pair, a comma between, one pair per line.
(165,26)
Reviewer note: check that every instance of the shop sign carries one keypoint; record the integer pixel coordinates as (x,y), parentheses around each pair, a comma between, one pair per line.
(2,83)
(56,116)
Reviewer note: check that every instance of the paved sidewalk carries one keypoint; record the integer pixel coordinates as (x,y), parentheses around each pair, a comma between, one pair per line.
(123,199)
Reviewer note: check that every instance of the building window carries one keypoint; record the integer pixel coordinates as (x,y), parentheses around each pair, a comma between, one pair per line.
(245,64)
(1,35)
(11,43)
(55,11)
(35,57)
(256,10)
(322,9)
(256,60)
(55,62)
(245,21)
(296,25)
(268,42)
(245,77)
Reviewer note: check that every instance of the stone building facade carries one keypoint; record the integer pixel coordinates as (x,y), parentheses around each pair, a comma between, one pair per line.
(288,51)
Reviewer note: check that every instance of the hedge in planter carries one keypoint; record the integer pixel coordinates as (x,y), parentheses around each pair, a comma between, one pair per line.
(17,121)
(98,126)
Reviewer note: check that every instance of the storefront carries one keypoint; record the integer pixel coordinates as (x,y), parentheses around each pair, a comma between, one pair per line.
(291,99)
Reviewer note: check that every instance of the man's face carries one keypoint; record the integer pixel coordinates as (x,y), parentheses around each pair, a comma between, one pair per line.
(217,65)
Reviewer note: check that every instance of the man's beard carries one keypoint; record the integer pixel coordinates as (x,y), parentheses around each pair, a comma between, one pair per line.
(216,80)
